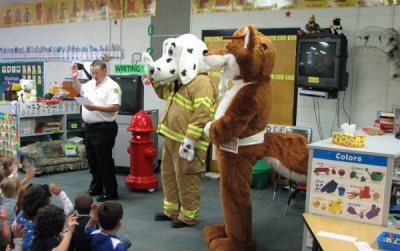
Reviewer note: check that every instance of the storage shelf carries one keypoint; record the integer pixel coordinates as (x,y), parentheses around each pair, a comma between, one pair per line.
(39,134)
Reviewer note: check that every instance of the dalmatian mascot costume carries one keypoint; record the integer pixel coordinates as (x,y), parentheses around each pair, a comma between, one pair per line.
(179,77)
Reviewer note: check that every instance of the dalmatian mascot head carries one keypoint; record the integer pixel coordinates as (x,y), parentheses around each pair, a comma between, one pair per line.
(182,59)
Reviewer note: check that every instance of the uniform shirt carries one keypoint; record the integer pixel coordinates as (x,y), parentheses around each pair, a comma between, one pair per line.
(106,93)
(101,241)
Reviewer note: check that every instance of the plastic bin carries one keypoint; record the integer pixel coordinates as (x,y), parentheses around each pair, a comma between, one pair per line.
(385,242)
(260,175)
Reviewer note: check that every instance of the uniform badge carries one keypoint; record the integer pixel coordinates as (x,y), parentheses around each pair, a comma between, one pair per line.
(115,90)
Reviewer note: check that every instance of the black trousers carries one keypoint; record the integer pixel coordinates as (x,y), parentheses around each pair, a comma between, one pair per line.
(99,143)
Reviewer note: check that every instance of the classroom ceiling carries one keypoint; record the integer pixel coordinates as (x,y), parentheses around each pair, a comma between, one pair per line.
(11,2)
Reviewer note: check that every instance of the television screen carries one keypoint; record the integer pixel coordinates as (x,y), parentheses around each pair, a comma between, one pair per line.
(321,62)
(317,59)
(132,93)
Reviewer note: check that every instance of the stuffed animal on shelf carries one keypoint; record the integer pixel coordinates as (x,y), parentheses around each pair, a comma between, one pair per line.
(336,27)
(27,94)
(241,120)
(311,27)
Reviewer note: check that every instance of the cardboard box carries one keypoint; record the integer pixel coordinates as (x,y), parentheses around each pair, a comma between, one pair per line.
(356,140)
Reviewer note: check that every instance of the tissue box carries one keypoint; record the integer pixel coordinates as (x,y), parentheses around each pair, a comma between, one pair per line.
(356,140)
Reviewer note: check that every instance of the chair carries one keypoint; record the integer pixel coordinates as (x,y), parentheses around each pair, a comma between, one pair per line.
(307,133)
(295,188)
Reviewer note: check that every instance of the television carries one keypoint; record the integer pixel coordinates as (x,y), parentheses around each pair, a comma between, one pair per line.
(321,62)
(132,93)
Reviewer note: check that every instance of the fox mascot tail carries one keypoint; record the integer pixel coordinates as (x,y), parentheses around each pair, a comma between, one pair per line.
(287,154)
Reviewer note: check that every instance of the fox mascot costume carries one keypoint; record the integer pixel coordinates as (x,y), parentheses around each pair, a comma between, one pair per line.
(241,119)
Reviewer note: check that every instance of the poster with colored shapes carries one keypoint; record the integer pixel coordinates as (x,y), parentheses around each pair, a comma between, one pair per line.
(75,10)
(265,4)
(62,11)
(50,11)
(148,8)
(115,9)
(27,16)
(242,5)
(288,4)
(201,6)
(101,9)
(17,17)
(221,6)
(348,186)
(38,13)
(8,16)
(88,10)
(131,8)
(314,4)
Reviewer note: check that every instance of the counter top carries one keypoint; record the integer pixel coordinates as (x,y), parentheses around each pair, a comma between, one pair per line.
(381,145)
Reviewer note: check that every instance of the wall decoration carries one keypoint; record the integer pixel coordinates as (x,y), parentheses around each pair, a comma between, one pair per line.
(17,18)
(50,11)
(62,11)
(8,16)
(102,10)
(27,18)
(39,13)
(75,11)
(242,5)
(116,9)
(148,8)
(385,41)
(201,6)
(131,8)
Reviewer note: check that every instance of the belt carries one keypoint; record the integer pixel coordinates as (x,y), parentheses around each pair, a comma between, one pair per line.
(100,123)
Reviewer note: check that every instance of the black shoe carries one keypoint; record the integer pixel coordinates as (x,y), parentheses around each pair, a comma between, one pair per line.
(162,217)
(95,193)
(106,198)
(177,223)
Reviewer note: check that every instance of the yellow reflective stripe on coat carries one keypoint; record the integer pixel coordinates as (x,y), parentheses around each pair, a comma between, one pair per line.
(171,205)
(181,100)
(162,129)
(193,214)
(195,130)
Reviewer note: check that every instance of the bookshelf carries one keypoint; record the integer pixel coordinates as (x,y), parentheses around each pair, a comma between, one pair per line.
(41,121)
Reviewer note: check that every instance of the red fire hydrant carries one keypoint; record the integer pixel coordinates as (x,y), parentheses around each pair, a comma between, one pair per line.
(142,154)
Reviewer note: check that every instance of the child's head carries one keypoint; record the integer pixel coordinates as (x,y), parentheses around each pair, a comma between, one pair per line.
(10,187)
(35,197)
(8,165)
(83,202)
(110,215)
(3,175)
(49,221)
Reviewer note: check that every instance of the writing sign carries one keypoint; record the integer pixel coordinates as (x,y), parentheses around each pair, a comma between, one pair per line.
(130,68)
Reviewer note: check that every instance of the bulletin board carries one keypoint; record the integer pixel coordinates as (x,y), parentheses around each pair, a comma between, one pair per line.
(284,91)
(12,73)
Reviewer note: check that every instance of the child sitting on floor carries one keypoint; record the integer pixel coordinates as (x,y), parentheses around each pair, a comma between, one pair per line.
(10,189)
(80,241)
(109,216)
(49,226)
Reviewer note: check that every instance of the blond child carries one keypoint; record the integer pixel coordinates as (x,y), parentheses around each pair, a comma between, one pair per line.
(10,190)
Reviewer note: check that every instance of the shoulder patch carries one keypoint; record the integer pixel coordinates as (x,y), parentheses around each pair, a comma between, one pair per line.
(115,90)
